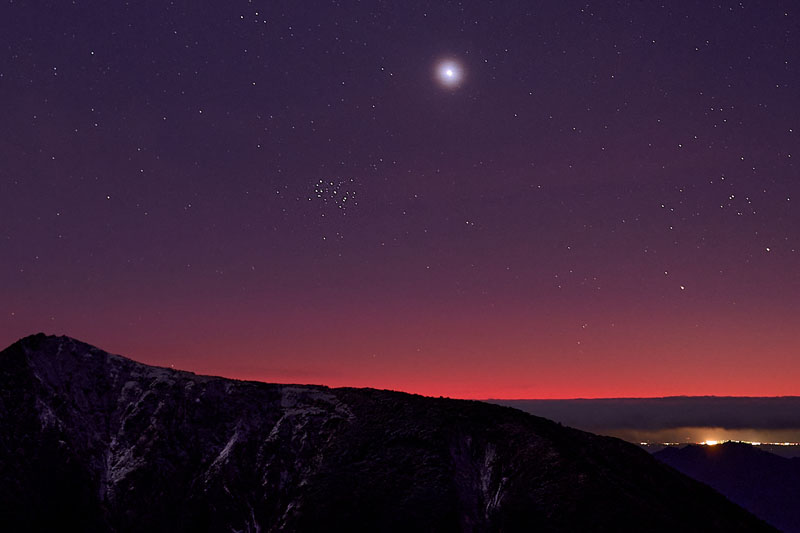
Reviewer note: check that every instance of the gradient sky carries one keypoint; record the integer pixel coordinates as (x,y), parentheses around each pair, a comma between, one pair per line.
(606,205)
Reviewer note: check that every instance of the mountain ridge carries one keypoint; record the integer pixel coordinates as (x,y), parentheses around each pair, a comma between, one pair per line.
(110,444)
(766,484)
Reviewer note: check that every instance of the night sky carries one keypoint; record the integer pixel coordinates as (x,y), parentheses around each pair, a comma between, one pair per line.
(599,200)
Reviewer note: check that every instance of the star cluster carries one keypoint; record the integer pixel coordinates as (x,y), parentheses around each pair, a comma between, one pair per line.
(338,193)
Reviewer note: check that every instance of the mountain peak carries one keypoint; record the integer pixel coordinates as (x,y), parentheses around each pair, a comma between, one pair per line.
(40,347)
(38,342)
(39,337)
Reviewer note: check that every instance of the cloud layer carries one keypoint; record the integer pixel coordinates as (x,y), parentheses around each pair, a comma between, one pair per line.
(672,412)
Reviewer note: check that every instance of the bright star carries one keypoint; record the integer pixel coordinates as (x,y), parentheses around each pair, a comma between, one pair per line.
(449,73)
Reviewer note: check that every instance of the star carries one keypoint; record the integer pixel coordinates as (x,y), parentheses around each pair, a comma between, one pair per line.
(449,73)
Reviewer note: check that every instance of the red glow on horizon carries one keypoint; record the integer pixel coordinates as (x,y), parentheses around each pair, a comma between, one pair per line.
(477,367)
(439,349)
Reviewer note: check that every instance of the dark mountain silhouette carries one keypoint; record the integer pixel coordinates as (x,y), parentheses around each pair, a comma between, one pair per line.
(764,483)
(95,442)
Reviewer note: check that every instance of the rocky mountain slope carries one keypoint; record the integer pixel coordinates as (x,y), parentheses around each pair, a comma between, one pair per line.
(764,483)
(95,442)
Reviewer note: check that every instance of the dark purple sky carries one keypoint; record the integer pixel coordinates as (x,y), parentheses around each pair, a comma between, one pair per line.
(605,206)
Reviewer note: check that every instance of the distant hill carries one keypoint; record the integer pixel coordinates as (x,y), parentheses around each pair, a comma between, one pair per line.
(91,441)
(765,484)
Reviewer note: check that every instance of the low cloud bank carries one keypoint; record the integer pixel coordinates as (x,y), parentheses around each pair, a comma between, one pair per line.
(671,412)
